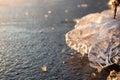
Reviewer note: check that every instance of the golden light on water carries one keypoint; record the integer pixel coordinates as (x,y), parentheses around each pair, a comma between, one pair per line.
(16,3)
(11,2)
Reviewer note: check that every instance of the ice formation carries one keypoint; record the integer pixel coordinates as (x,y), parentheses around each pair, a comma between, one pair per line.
(97,35)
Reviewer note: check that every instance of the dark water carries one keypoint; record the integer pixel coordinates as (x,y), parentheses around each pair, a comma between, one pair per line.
(32,35)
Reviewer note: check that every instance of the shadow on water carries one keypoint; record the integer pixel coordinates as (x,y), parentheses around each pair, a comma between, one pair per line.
(82,71)
(80,66)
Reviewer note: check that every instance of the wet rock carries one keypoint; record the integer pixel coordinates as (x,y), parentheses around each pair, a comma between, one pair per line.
(113,76)
(97,35)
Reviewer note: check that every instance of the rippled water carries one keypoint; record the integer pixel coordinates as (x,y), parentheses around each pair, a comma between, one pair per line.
(24,46)
(31,35)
